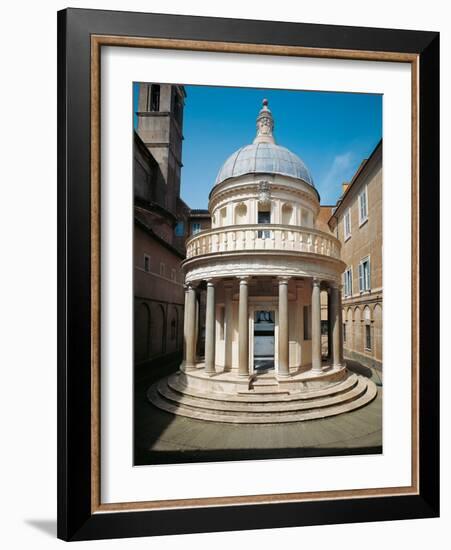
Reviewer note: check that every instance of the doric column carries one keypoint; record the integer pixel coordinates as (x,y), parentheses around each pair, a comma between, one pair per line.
(337,344)
(340,326)
(197,321)
(335,328)
(185,323)
(284,354)
(228,322)
(316,326)
(210,329)
(329,324)
(243,328)
(190,327)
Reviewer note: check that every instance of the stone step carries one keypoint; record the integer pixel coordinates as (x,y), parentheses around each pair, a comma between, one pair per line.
(252,407)
(250,396)
(366,397)
(269,382)
(273,390)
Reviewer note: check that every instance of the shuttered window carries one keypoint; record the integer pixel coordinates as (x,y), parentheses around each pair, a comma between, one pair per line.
(347,223)
(347,282)
(363,206)
(364,275)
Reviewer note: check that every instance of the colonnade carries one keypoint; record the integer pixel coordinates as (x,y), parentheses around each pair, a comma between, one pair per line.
(190,325)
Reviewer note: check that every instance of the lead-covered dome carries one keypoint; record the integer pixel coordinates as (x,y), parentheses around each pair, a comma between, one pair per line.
(264,155)
(264,158)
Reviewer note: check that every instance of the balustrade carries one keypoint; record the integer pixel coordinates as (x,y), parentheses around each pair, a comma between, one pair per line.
(262,237)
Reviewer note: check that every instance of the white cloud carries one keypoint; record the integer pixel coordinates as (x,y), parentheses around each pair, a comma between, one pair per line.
(340,170)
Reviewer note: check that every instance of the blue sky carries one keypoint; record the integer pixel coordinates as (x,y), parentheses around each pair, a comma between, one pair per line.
(331,132)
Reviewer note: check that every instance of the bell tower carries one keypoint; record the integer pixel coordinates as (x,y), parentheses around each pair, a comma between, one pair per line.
(160,126)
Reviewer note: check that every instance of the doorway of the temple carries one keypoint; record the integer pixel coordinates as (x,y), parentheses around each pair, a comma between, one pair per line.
(263,340)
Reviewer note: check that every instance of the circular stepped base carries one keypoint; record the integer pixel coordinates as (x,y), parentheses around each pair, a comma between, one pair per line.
(265,404)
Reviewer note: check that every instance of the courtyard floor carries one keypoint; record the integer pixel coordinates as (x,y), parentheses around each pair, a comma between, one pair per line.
(162,438)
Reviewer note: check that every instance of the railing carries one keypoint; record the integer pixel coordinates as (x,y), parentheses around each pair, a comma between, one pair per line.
(262,237)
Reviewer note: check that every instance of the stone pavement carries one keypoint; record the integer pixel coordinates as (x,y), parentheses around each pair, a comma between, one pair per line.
(162,438)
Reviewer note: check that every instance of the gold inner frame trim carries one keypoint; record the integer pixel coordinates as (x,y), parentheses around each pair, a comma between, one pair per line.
(97,41)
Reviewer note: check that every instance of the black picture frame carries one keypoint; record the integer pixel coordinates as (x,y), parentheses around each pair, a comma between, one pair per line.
(76,518)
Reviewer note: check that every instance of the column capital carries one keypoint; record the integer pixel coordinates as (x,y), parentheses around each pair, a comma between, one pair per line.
(244,279)
(192,285)
(283,279)
(210,282)
(316,281)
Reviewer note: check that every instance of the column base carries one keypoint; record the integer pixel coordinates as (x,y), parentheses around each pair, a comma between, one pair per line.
(189,366)
(210,371)
(317,371)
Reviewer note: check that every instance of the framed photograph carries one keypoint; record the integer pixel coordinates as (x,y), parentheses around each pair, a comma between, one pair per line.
(248,274)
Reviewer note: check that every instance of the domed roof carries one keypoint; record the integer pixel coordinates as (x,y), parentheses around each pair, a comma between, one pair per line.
(264,158)
(264,155)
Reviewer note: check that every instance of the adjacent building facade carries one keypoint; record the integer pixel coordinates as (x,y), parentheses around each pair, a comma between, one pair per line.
(357,224)
(158,253)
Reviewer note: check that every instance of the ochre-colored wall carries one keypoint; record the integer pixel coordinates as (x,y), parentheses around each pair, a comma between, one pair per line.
(363,308)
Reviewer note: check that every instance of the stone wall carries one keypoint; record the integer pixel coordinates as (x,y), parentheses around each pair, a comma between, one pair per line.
(159,298)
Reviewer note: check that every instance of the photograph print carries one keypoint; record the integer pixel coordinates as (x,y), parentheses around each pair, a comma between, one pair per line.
(257,250)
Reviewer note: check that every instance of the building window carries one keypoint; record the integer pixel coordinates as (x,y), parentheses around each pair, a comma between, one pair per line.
(162,269)
(344,332)
(368,337)
(146,263)
(347,283)
(154,98)
(347,223)
(307,322)
(195,228)
(173,329)
(364,275)
(173,274)
(363,206)
(179,229)
(264,217)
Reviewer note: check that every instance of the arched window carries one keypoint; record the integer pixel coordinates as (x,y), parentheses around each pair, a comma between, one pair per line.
(368,341)
(358,344)
(158,330)
(142,332)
